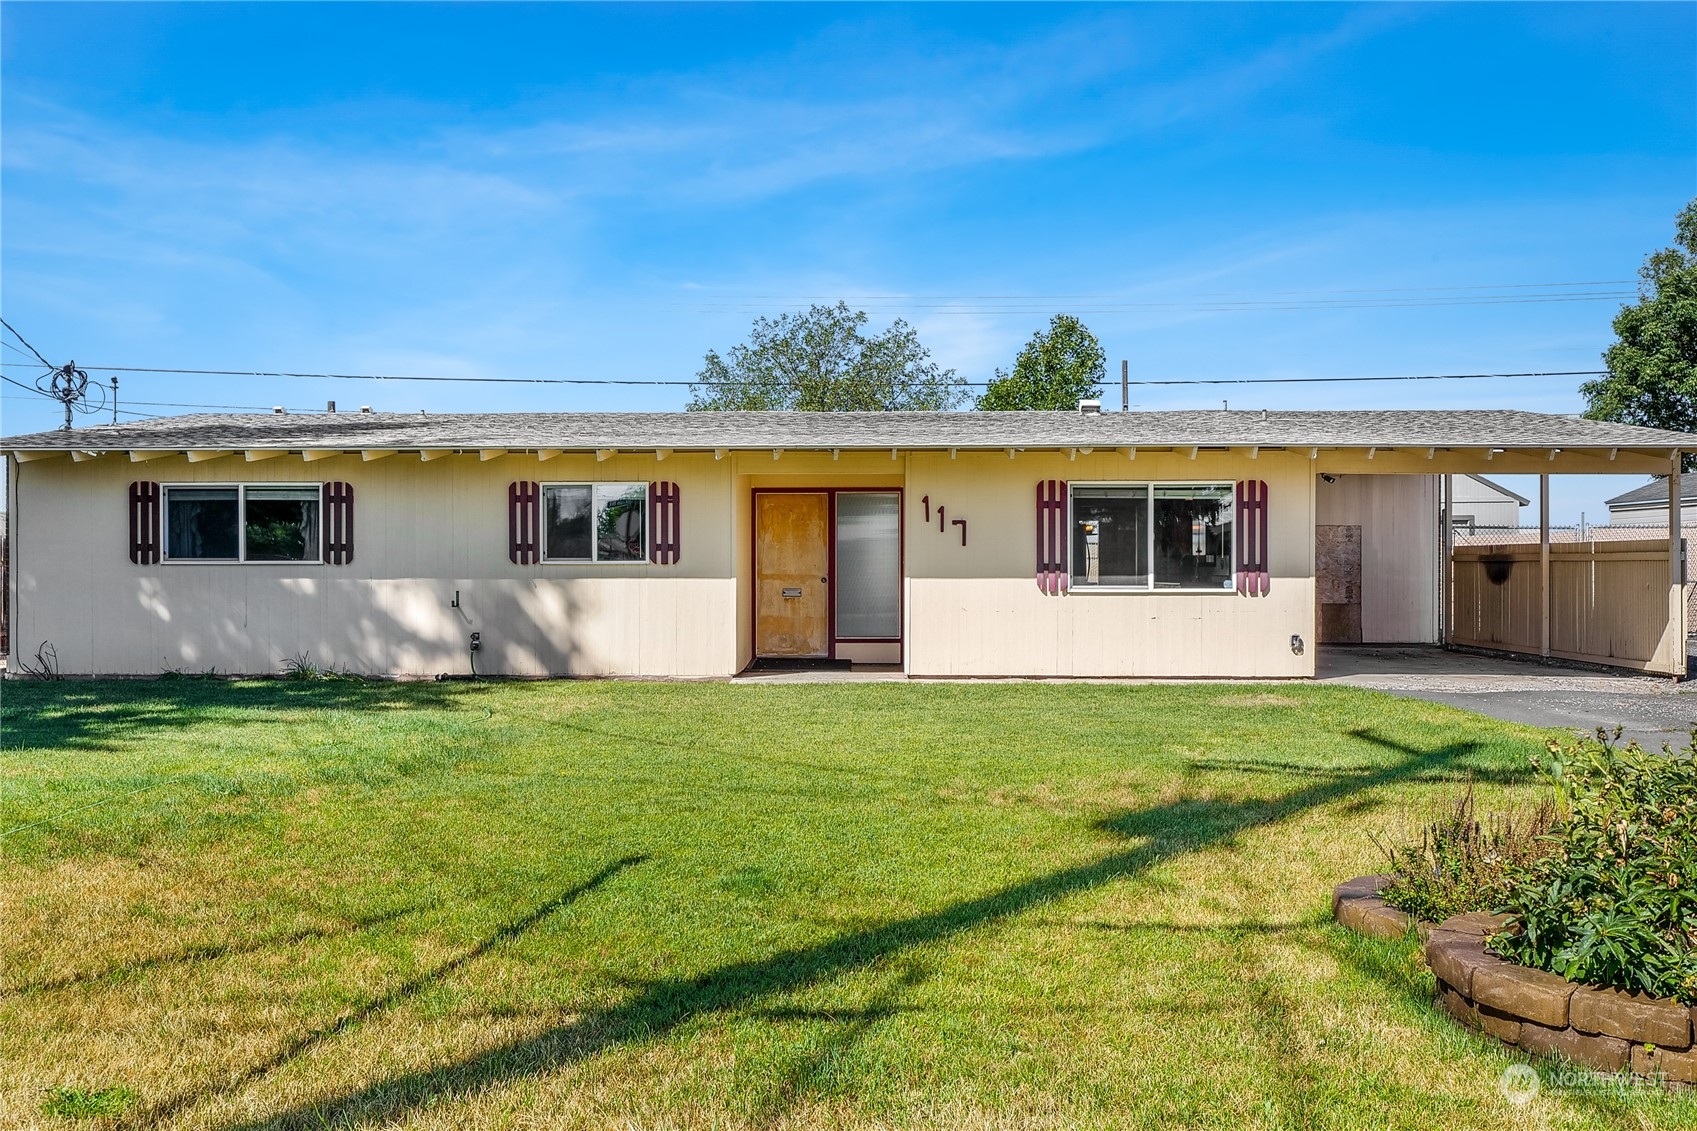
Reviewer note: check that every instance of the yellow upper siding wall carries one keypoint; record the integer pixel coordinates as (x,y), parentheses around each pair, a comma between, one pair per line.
(977,611)
(427,529)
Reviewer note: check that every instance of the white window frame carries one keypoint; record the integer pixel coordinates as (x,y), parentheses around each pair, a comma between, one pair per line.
(595,542)
(1148,486)
(241,523)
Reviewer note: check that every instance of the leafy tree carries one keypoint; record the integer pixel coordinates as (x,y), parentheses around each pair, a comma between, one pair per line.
(821,362)
(1057,368)
(1653,364)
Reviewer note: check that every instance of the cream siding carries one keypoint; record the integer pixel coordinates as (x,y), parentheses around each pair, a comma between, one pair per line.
(423,531)
(977,611)
(427,529)
(1400,551)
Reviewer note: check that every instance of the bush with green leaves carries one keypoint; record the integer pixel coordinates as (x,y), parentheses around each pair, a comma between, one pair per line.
(1615,903)
(1463,863)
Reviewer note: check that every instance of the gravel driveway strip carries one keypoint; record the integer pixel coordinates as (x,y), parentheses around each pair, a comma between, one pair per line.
(1652,709)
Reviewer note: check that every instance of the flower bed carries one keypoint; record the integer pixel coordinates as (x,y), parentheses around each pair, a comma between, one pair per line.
(1539,1012)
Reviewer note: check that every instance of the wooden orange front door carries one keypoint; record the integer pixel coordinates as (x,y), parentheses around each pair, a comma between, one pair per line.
(792,592)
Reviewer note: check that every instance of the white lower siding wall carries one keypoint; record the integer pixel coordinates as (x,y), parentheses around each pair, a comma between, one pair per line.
(1006,627)
(240,621)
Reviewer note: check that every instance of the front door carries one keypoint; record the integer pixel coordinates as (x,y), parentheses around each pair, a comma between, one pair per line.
(792,585)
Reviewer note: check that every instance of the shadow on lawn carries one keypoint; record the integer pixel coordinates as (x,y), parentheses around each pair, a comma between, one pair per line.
(401,993)
(97,714)
(209,952)
(1165,832)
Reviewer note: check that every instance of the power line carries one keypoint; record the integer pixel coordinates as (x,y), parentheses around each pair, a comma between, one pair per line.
(25,341)
(686,384)
(1089,296)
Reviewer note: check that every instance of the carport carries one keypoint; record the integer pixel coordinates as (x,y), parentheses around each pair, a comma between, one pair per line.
(1388,570)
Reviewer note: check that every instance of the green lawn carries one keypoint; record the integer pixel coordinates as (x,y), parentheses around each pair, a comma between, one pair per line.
(711,905)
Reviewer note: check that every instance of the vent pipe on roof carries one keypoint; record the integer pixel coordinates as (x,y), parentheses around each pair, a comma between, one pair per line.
(365,408)
(329,406)
(279,410)
(1090,408)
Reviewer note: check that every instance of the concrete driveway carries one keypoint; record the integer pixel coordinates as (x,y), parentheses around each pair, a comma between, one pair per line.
(1652,709)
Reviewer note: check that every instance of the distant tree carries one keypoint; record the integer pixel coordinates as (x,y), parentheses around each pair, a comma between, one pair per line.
(1653,364)
(821,362)
(1057,368)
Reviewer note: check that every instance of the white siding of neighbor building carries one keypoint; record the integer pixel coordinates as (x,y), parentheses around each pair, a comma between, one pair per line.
(1485,503)
(425,530)
(1652,514)
(1400,551)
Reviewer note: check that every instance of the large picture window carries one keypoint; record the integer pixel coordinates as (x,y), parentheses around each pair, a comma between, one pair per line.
(1146,536)
(243,523)
(595,522)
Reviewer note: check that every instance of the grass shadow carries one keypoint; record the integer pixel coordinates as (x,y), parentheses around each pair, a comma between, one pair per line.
(207,952)
(411,988)
(1162,832)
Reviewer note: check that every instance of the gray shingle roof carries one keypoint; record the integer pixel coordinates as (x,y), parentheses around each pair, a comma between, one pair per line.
(755,430)
(1655,494)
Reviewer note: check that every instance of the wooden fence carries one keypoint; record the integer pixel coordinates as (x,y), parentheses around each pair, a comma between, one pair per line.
(1609,602)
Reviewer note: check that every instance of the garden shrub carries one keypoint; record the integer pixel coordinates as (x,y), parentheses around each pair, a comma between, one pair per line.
(1463,863)
(1615,903)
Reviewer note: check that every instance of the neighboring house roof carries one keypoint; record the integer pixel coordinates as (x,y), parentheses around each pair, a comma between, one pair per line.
(1493,485)
(1483,428)
(1654,495)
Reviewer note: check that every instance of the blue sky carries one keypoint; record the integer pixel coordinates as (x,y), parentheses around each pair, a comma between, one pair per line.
(609,191)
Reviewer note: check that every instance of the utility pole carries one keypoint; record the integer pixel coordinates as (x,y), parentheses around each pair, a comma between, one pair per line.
(69,385)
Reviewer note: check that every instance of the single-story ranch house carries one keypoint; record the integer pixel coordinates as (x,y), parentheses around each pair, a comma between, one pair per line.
(1174,544)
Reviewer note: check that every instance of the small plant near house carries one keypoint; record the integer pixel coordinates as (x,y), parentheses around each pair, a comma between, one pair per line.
(87,1103)
(1464,862)
(45,665)
(302,667)
(1615,902)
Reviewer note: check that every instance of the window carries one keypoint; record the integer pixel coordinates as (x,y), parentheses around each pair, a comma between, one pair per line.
(869,565)
(1152,536)
(595,522)
(243,523)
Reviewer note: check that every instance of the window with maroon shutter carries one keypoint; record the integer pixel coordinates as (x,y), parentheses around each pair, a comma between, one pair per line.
(524,523)
(1253,574)
(144,523)
(1052,536)
(338,523)
(664,544)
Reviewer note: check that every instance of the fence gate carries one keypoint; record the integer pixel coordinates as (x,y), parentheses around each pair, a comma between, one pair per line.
(1617,602)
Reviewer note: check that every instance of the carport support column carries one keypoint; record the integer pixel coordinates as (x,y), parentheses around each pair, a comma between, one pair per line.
(1446,542)
(1544,561)
(1676,567)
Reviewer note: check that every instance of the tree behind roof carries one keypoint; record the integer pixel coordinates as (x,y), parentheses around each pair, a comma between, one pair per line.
(1057,368)
(820,361)
(1652,366)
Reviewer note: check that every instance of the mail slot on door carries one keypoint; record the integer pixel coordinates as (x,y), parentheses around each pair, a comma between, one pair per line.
(788,592)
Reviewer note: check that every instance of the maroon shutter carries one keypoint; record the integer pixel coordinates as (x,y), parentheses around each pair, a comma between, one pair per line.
(1052,536)
(338,523)
(664,545)
(1253,574)
(524,523)
(144,523)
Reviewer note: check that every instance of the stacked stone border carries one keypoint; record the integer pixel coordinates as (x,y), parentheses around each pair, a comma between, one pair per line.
(1534,1010)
